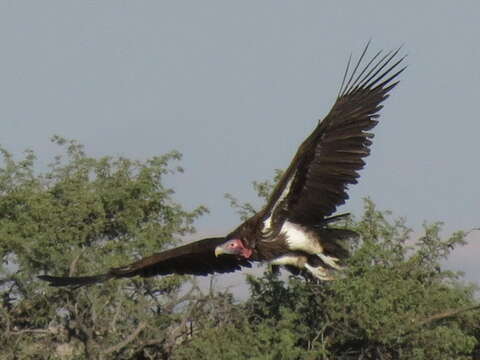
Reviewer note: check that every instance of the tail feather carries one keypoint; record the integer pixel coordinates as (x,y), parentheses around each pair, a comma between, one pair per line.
(74,281)
(337,243)
(334,219)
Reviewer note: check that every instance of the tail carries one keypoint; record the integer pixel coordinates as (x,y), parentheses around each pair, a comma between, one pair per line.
(335,218)
(337,242)
(75,282)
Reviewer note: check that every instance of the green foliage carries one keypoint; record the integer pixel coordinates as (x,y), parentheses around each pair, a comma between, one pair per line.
(84,215)
(394,287)
(393,301)
(236,336)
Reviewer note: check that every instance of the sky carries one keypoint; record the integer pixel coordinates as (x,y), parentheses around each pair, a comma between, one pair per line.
(237,85)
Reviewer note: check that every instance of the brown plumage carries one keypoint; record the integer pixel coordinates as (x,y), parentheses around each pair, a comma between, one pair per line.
(197,258)
(291,229)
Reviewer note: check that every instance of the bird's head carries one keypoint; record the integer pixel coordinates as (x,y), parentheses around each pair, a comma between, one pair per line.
(233,247)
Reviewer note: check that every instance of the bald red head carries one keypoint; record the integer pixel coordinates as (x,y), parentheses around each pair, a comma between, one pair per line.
(234,247)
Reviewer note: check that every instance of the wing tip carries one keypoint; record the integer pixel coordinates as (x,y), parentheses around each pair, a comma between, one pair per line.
(59,281)
(373,72)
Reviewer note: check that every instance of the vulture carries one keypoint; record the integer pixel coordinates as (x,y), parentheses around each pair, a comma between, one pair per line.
(293,229)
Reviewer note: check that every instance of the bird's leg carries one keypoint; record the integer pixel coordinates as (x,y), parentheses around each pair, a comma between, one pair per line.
(319,272)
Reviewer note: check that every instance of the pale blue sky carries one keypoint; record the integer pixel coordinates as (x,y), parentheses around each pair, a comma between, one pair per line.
(237,85)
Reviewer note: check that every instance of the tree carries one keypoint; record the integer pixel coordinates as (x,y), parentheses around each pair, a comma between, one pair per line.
(83,215)
(393,301)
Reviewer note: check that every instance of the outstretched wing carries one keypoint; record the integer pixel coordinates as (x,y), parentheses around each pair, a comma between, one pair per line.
(197,258)
(316,182)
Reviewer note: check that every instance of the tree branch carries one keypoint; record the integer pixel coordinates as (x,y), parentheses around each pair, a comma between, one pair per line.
(439,316)
(127,340)
(445,315)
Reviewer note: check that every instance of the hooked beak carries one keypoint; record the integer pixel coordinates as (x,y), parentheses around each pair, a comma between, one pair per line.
(233,247)
(219,251)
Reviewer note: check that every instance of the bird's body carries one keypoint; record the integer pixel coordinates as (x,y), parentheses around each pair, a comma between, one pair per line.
(317,249)
(292,229)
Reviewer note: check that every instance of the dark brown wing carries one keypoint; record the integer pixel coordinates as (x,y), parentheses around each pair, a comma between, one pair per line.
(316,182)
(197,258)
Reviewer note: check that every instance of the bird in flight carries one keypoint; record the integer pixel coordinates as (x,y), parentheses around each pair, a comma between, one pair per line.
(293,229)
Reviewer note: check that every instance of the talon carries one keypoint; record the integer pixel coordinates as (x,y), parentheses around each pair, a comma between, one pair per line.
(330,260)
(319,272)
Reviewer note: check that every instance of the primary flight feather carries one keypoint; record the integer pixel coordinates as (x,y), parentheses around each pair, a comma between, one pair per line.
(292,229)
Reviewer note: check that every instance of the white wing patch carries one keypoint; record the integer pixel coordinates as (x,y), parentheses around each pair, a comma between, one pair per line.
(268,222)
(286,190)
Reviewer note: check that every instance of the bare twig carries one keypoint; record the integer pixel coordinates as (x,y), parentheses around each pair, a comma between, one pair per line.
(85,333)
(35,331)
(168,308)
(6,280)
(7,321)
(472,230)
(113,323)
(73,264)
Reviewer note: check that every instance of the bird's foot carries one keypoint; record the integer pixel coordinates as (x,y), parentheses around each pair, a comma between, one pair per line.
(330,261)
